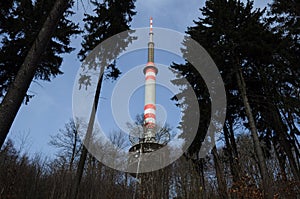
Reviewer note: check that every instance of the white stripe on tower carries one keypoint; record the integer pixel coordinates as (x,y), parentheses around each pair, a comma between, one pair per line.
(150,72)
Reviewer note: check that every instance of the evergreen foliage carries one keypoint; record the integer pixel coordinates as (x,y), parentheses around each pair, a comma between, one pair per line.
(265,51)
(109,18)
(21,22)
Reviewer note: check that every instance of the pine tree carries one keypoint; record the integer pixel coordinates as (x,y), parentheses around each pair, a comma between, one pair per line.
(34,36)
(284,112)
(112,17)
(240,44)
(20,26)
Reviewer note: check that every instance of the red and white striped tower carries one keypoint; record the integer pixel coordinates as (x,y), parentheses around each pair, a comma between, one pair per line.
(150,72)
(138,162)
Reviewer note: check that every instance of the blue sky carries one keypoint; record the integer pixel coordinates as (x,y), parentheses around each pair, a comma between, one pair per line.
(51,107)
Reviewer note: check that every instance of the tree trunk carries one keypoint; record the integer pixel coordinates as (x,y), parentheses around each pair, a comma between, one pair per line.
(202,188)
(199,167)
(73,151)
(233,158)
(284,141)
(281,158)
(220,174)
(266,178)
(232,140)
(15,95)
(88,136)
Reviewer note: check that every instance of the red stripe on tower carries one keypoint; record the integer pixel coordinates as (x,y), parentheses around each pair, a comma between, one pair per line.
(149,115)
(149,106)
(150,69)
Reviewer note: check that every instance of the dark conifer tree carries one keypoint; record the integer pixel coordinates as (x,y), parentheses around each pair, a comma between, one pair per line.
(111,17)
(34,34)
(20,24)
(240,43)
(283,85)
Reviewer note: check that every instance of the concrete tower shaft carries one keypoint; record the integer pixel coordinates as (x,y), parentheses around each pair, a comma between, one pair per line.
(150,72)
(139,161)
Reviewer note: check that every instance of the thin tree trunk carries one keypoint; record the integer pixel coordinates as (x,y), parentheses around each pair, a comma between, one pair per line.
(220,174)
(233,159)
(293,130)
(203,187)
(236,166)
(88,137)
(284,142)
(266,178)
(73,152)
(15,95)
(281,159)
(232,140)
(199,167)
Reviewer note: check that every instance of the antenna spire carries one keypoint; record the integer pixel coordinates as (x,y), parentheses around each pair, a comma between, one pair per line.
(151,22)
(151,44)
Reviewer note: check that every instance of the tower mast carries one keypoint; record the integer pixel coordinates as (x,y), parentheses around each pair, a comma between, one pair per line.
(150,72)
(140,162)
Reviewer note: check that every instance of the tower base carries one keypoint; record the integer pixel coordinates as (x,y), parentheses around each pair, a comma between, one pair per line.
(138,151)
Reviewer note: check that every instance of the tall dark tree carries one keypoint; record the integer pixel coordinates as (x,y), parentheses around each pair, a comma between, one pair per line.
(234,35)
(112,17)
(284,19)
(34,34)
